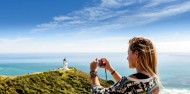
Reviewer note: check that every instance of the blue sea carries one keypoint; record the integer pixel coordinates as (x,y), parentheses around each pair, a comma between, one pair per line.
(174,68)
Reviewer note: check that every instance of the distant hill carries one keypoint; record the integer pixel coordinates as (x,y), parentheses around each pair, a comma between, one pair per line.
(72,81)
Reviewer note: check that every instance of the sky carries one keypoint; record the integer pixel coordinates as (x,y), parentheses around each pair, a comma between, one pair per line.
(58,26)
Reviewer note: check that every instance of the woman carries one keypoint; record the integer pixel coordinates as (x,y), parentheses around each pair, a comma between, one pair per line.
(142,57)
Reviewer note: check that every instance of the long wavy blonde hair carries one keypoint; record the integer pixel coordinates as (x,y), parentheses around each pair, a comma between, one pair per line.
(147,55)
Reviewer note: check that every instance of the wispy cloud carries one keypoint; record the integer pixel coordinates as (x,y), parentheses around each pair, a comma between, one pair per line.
(168,11)
(158,2)
(116,14)
(62,18)
(117,3)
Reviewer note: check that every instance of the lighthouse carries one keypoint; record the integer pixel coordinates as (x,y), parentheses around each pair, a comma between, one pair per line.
(65,64)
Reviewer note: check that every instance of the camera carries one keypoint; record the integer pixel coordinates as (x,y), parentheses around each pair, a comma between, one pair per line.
(101,63)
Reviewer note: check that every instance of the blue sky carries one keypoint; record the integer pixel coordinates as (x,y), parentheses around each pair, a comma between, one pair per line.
(48,26)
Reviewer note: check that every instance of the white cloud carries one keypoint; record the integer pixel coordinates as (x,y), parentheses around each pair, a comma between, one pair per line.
(117,3)
(39,29)
(102,15)
(158,2)
(170,46)
(49,25)
(62,18)
(168,11)
(109,3)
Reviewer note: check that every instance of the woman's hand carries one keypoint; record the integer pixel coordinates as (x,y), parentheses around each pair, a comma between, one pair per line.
(94,65)
(107,64)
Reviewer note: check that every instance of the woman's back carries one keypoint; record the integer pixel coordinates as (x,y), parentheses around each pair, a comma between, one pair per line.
(142,84)
(138,83)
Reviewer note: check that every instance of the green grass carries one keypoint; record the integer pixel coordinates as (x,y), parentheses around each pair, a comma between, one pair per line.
(53,82)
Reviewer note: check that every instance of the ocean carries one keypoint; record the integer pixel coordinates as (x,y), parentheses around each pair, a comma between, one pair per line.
(173,68)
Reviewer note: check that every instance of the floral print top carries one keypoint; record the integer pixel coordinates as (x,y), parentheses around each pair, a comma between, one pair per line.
(129,85)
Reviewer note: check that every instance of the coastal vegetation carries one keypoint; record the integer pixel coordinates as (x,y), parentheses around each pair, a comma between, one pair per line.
(71,81)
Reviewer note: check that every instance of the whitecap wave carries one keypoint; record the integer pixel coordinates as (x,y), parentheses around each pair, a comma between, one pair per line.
(175,91)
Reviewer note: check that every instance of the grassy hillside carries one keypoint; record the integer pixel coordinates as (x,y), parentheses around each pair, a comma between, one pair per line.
(53,82)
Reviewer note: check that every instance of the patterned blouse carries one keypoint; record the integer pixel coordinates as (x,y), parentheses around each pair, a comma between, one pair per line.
(129,85)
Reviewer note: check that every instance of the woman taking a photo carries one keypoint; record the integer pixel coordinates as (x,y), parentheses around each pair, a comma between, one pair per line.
(141,56)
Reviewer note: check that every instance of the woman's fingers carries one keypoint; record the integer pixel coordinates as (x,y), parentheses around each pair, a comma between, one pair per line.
(96,59)
(105,60)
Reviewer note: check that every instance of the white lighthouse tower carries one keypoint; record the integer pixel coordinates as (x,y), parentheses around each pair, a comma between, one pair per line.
(65,64)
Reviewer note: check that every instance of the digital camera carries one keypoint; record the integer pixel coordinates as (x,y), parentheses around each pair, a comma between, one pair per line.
(101,63)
